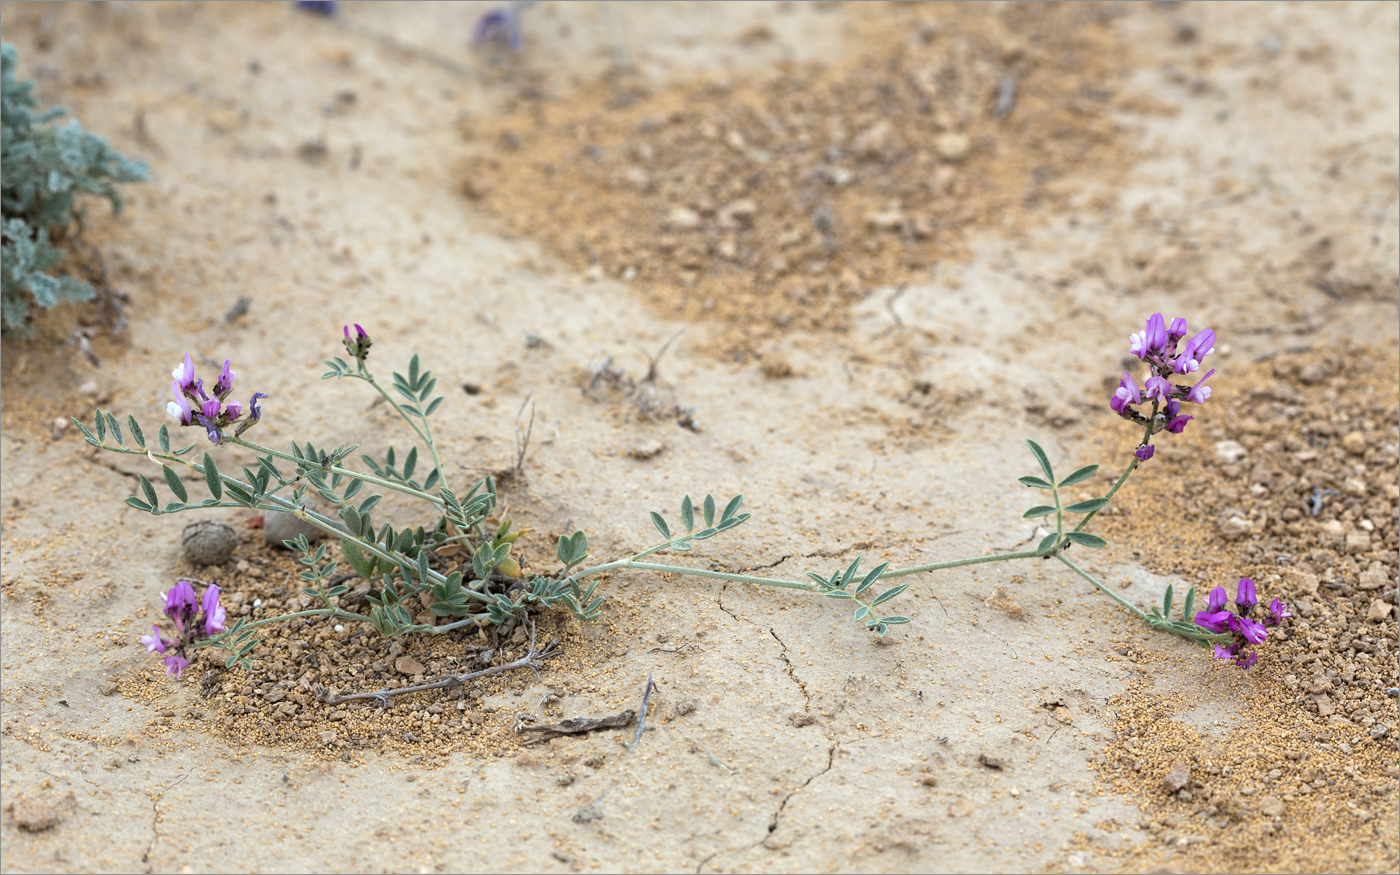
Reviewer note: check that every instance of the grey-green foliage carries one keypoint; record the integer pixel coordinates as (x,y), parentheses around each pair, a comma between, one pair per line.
(44,167)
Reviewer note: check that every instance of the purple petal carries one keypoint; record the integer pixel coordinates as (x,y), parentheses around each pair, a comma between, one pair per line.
(154,643)
(224,385)
(184,372)
(1178,424)
(1198,393)
(1252,631)
(175,664)
(1214,621)
(254,411)
(1245,597)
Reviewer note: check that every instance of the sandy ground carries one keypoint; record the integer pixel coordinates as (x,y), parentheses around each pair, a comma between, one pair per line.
(1247,179)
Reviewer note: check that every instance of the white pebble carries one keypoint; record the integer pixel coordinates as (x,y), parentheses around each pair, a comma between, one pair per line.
(257,603)
(339,628)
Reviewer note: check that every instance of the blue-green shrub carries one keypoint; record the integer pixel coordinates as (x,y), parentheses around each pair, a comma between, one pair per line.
(44,167)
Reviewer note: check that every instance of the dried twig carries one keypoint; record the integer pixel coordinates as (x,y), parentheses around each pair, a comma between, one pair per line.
(654,360)
(522,445)
(530,660)
(238,310)
(642,713)
(578,726)
(79,339)
(422,54)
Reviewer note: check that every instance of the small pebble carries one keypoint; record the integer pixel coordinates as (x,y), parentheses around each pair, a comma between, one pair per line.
(1229,452)
(1354,442)
(35,816)
(279,526)
(1177,778)
(208,542)
(645,448)
(952,146)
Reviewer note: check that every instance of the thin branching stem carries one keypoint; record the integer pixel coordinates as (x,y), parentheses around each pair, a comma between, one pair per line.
(530,660)
(1132,608)
(337,613)
(324,523)
(425,434)
(958,563)
(436,500)
(1127,472)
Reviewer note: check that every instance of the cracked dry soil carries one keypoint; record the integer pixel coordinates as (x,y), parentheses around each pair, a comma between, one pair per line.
(890,267)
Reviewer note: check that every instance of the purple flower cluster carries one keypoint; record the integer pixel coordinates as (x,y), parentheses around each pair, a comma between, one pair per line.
(1157,344)
(183,609)
(358,345)
(192,405)
(1246,631)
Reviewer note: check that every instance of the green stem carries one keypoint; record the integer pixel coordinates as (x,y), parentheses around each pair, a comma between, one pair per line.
(1134,609)
(336,469)
(425,434)
(693,572)
(958,563)
(469,621)
(718,575)
(1127,472)
(324,523)
(1059,516)
(337,613)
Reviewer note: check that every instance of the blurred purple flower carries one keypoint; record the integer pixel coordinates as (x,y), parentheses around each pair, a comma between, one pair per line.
(180,407)
(1245,596)
(154,642)
(1127,394)
(1159,388)
(502,25)
(1278,612)
(1217,600)
(357,346)
(1177,424)
(1198,393)
(1144,453)
(214,613)
(184,373)
(181,604)
(325,8)
(175,664)
(1251,631)
(254,411)
(1214,621)
(1196,350)
(224,385)
(1176,330)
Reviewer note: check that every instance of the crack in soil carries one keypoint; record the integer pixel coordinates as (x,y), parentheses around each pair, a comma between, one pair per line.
(774,821)
(156,821)
(101,461)
(792,671)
